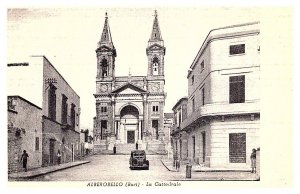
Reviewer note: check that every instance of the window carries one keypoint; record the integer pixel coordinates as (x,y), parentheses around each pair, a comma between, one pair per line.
(104,65)
(202,66)
(103,109)
(52,102)
(237,89)
(193,79)
(73,116)
(37,144)
(184,112)
(155,63)
(64,109)
(180,151)
(155,108)
(203,95)
(193,104)
(179,116)
(237,49)
(237,147)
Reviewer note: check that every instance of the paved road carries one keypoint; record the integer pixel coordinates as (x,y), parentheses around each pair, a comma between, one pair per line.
(112,168)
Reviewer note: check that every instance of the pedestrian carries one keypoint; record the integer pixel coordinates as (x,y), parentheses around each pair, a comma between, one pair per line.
(253,161)
(58,157)
(136,146)
(24,160)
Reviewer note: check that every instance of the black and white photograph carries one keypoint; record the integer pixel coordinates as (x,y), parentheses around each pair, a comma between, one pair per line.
(137,96)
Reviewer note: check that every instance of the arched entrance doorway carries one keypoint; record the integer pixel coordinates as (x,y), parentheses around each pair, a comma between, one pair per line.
(129,124)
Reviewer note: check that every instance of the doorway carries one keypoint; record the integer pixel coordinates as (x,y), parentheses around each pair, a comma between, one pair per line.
(194,147)
(129,119)
(51,151)
(155,128)
(130,137)
(203,146)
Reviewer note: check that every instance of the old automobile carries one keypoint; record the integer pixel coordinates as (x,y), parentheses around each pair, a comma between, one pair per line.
(138,160)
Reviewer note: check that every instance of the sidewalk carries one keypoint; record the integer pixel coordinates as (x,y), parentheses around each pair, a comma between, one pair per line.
(43,170)
(200,173)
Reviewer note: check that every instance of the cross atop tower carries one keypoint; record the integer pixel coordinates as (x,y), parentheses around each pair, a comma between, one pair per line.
(106,38)
(155,50)
(106,53)
(155,35)
(129,74)
(155,13)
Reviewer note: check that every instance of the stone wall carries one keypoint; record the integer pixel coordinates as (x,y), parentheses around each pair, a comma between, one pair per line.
(24,129)
(65,140)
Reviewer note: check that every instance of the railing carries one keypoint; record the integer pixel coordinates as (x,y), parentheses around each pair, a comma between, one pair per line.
(221,109)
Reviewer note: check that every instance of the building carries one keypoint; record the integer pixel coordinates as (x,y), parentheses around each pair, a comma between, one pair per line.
(179,136)
(223,112)
(60,106)
(23,134)
(168,126)
(130,109)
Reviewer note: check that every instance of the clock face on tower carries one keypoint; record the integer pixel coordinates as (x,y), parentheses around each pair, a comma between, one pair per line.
(103,88)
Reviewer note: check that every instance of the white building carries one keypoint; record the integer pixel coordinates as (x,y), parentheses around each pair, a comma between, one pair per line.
(38,81)
(223,98)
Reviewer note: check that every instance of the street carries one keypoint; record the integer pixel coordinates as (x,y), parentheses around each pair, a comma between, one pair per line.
(112,168)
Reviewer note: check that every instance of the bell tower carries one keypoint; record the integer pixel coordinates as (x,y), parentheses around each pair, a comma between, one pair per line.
(155,51)
(106,54)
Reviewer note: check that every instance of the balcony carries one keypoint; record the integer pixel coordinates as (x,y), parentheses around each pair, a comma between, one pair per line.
(221,109)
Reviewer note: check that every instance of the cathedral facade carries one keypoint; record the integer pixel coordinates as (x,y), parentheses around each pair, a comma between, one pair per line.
(130,109)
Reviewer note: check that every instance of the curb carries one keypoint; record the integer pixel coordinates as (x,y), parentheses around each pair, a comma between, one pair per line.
(208,170)
(222,170)
(127,154)
(172,170)
(16,177)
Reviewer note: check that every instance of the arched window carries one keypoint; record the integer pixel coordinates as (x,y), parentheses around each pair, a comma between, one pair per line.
(104,67)
(155,64)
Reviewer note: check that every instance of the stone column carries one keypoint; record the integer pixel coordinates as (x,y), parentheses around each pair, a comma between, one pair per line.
(113,114)
(145,108)
(161,121)
(140,129)
(116,128)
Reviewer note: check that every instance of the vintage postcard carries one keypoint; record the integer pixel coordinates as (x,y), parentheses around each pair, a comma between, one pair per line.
(152,96)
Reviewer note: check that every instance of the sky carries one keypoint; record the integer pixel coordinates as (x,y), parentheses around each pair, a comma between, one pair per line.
(68,38)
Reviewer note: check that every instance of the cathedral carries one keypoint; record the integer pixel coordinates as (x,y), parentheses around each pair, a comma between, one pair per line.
(130,109)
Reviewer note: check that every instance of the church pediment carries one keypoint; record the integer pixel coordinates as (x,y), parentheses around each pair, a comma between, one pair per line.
(128,89)
(104,48)
(156,47)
